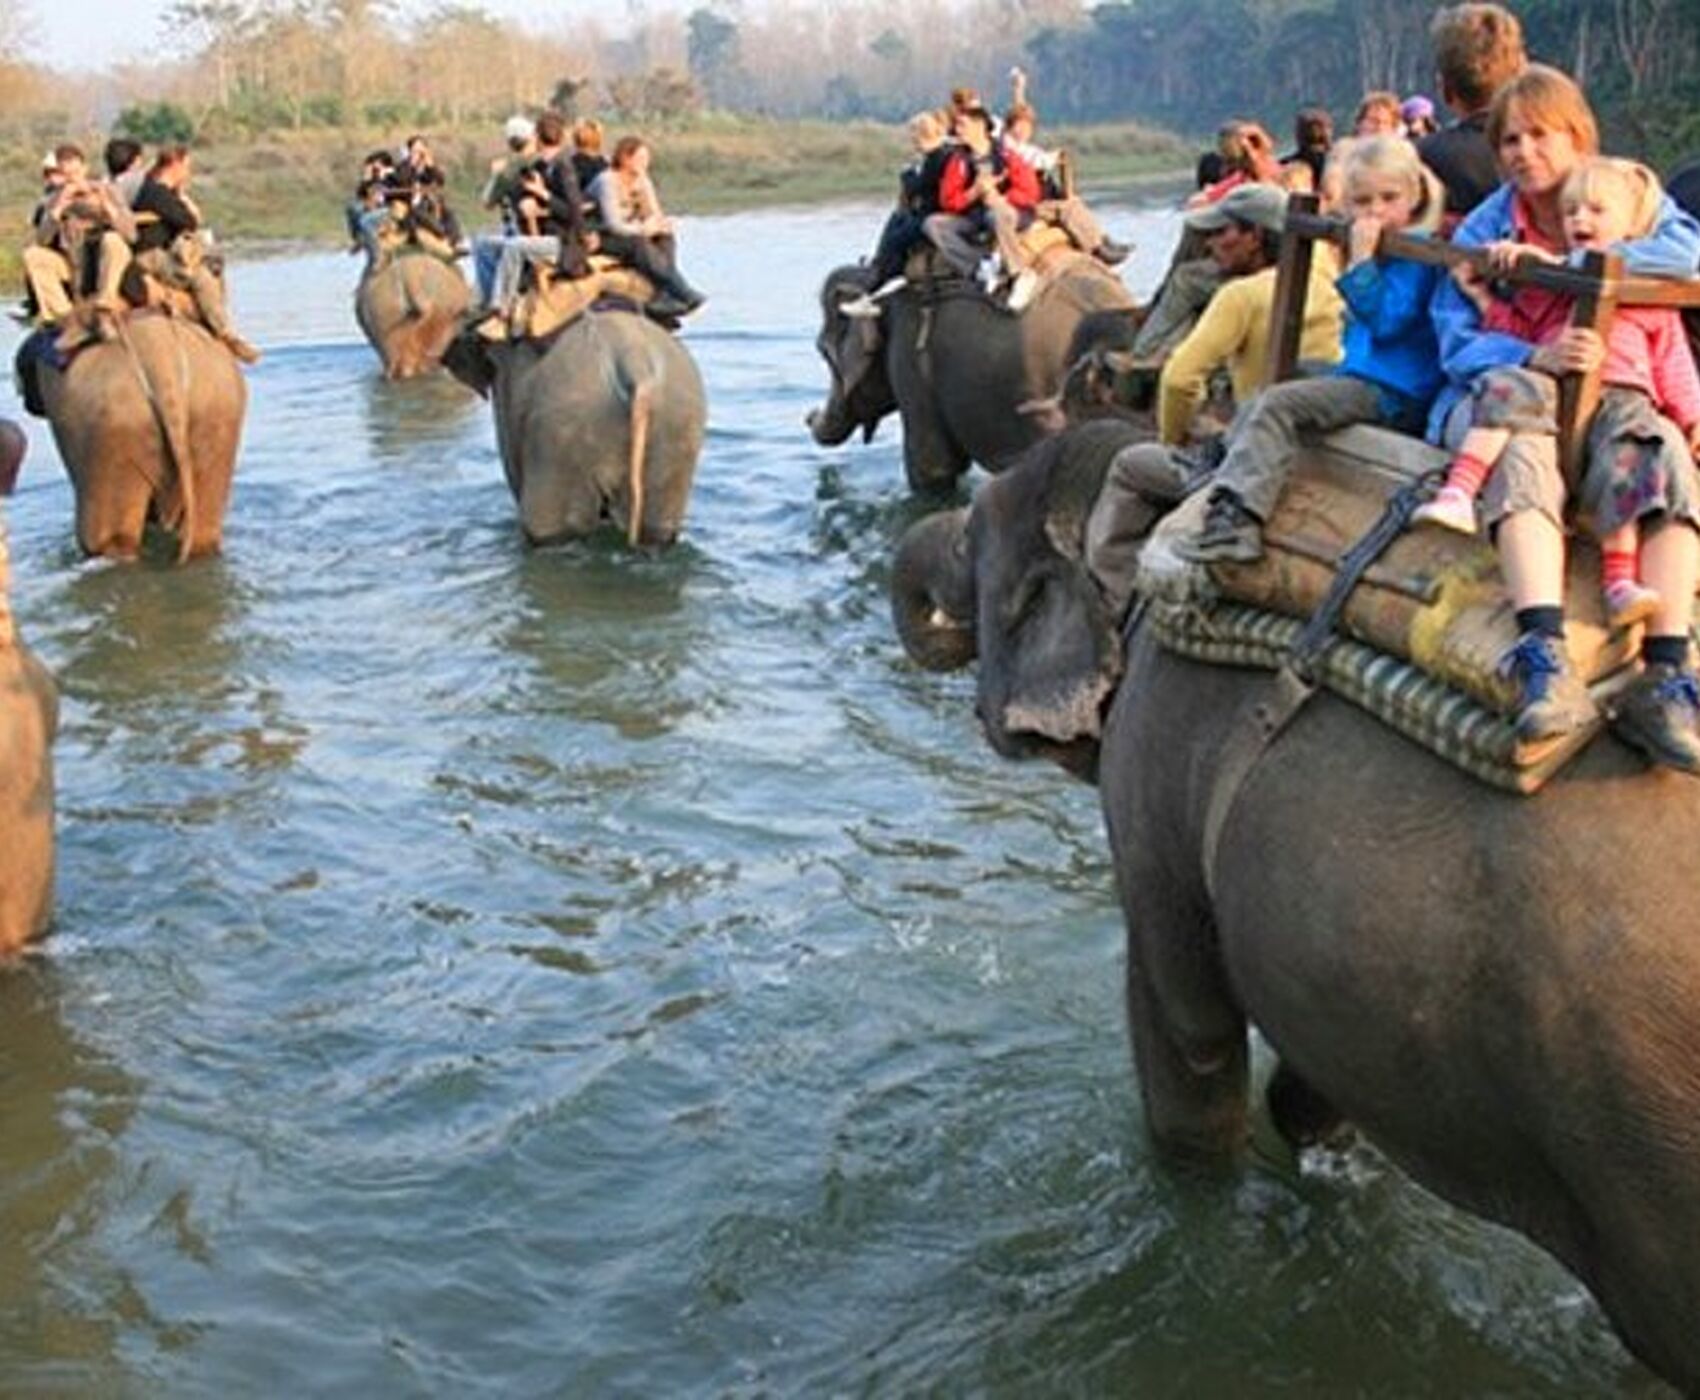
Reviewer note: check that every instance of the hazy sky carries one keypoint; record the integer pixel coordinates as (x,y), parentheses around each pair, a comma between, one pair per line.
(94,33)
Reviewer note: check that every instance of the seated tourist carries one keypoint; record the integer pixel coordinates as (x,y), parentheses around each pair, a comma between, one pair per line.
(1313,135)
(1417,113)
(378,169)
(520,136)
(548,211)
(1478,48)
(70,224)
(1233,333)
(588,160)
(1248,158)
(905,228)
(1059,205)
(986,190)
(427,185)
(1524,503)
(169,247)
(1378,115)
(1391,368)
(632,227)
(126,167)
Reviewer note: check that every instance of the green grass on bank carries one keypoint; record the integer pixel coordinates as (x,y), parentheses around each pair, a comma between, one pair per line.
(291,186)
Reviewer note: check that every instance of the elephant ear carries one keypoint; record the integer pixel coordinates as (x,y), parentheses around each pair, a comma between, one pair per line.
(1076,477)
(1064,657)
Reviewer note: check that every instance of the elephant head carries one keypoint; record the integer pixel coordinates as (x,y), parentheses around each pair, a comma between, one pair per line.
(1006,582)
(853,348)
(469,360)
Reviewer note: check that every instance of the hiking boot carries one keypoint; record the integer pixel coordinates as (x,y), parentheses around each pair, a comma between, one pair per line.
(1629,601)
(1451,509)
(667,307)
(1111,253)
(1660,716)
(240,348)
(1551,699)
(988,275)
(1022,289)
(1231,534)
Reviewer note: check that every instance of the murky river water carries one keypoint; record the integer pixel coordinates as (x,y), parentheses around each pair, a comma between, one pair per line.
(489,971)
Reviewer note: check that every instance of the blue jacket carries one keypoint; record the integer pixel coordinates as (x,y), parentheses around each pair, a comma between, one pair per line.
(1390,334)
(1672,249)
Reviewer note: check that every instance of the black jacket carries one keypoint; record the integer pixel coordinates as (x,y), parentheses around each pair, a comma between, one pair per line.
(920,181)
(1461,156)
(174,216)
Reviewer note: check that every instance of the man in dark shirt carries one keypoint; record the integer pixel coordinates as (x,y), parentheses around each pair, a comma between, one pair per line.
(548,211)
(905,229)
(168,245)
(1478,48)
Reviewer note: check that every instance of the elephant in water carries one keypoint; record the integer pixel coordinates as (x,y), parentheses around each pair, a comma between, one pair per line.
(29,716)
(957,368)
(148,427)
(1500,991)
(604,422)
(410,307)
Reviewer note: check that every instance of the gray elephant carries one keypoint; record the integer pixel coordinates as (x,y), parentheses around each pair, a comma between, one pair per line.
(1500,991)
(957,369)
(148,428)
(604,422)
(410,306)
(29,717)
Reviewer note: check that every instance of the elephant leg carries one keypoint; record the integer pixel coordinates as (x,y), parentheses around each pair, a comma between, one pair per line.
(932,462)
(112,511)
(558,501)
(1302,1116)
(1194,1087)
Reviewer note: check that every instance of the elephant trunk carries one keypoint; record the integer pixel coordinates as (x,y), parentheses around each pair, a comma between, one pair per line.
(831,424)
(932,592)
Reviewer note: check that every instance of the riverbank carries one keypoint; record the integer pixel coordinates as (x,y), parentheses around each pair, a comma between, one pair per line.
(289,188)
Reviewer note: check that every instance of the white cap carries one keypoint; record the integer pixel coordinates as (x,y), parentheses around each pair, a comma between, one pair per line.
(50,161)
(519,128)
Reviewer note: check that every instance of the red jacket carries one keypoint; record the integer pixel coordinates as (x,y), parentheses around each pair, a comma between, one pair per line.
(1018,181)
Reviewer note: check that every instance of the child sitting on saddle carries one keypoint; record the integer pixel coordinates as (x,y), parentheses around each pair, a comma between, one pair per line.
(1647,426)
(1391,369)
(986,190)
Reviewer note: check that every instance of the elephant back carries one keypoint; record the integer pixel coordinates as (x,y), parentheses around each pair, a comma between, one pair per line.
(409,307)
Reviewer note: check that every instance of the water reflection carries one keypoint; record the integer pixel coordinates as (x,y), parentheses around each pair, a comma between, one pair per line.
(410,417)
(63,1108)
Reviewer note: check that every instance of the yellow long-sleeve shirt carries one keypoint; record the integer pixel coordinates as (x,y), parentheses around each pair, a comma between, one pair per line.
(1234,331)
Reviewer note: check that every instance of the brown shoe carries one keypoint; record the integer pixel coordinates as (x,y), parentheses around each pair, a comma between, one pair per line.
(240,348)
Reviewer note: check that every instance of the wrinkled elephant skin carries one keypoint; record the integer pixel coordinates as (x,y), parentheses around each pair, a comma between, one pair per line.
(964,375)
(603,424)
(1500,991)
(148,428)
(29,716)
(410,308)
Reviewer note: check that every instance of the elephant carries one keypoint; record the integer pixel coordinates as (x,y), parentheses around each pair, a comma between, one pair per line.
(148,427)
(410,306)
(29,718)
(1499,991)
(604,421)
(958,369)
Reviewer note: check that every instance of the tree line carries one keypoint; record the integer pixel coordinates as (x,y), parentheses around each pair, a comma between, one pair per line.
(244,66)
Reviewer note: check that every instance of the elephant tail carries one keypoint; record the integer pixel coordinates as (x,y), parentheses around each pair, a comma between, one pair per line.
(411,308)
(640,412)
(170,405)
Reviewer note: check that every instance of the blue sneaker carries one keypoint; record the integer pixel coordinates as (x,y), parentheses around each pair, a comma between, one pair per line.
(1551,699)
(1660,716)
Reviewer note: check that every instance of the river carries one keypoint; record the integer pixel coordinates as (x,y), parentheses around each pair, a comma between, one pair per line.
(489,971)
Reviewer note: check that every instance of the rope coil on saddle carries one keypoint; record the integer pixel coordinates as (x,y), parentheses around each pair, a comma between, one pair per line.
(1295,683)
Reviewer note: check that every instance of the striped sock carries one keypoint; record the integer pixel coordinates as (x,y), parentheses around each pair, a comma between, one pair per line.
(1617,566)
(1467,473)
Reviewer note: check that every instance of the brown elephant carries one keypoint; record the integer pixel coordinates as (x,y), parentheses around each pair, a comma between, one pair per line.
(410,307)
(603,422)
(959,369)
(1500,991)
(29,717)
(148,427)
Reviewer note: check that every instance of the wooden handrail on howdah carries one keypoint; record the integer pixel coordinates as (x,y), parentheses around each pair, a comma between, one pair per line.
(1599,286)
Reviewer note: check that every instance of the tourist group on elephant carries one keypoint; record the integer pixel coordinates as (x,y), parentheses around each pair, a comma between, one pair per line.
(1348,412)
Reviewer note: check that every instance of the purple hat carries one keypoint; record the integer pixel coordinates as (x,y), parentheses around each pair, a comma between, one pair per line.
(1417,109)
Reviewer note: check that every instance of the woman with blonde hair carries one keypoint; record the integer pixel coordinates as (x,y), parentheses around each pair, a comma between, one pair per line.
(1391,367)
(1542,130)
